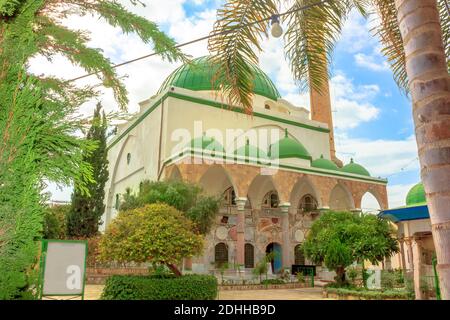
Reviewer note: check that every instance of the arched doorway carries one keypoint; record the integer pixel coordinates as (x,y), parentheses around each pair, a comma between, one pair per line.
(276,261)
(369,203)
(299,256)
(220,254)
(249,255)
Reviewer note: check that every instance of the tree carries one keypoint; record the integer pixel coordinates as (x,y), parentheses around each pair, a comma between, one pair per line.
(37,117)
(340,238)
(86,210)
(415,38)
(155,233)
(55,222)
(186,197)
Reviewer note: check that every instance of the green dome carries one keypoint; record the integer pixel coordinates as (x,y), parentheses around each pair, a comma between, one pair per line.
(323,163)
(288,148)
(206,143)
(416,195)
(250,151)
(198,75)
(355,169)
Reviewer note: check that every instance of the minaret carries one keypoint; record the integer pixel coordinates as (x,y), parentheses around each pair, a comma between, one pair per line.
(321,111)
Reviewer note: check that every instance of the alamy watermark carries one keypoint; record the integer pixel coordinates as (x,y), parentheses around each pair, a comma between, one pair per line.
(234,145)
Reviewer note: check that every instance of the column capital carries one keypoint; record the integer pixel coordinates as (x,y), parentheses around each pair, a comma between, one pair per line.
(240,203)
(285,207)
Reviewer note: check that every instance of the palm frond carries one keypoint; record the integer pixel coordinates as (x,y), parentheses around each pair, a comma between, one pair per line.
(310,38)
(388,31)
(233,45)
(444,12)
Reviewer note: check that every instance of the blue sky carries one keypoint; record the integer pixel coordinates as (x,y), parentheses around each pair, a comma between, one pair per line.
(372,117)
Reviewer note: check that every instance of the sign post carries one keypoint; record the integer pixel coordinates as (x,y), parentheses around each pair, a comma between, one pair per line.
(62,268)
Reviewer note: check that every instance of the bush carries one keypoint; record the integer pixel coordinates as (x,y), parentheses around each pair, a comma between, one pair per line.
(188,287)
(55,222)
(391,279)
(370,294)
(155,233)
(273,281)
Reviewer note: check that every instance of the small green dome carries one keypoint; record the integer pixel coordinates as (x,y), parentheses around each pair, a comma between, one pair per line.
(355,169)
(198,75)
(250,151)
(324,164)
(416,195)
(288,148)
(206,143)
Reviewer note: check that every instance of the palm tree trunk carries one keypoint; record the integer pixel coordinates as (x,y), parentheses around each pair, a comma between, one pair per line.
(429,83)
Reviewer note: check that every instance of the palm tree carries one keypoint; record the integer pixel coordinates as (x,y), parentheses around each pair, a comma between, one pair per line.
(415,36)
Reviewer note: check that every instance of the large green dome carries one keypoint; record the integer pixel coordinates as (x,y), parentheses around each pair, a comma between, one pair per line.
(288,148)
(323,163)
(355,169)
(198,76)
(416,195)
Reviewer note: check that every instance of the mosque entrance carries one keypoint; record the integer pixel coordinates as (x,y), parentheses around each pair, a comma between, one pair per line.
(276,261)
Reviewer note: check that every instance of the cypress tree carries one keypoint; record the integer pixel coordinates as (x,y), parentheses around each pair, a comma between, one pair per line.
(86,210)
(38,117)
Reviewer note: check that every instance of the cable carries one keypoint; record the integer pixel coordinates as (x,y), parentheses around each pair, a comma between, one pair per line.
(406,166)
(204,38)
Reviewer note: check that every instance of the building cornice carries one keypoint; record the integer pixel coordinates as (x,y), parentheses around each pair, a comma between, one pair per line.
(210,103)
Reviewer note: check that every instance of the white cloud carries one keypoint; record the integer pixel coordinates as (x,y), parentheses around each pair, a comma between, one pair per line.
(356,34)
(370,62)
(382,157)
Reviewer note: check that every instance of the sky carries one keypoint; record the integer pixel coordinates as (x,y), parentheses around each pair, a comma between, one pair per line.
(372,117)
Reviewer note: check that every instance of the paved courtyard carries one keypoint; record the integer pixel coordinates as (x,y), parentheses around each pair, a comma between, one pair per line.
(93,292)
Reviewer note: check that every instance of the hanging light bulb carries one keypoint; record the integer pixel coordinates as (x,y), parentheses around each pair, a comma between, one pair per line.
(276,31)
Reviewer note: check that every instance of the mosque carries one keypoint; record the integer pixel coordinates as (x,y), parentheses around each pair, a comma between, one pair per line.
(276,168)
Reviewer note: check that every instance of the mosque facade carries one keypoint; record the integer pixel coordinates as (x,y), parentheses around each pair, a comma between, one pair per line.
(276,168)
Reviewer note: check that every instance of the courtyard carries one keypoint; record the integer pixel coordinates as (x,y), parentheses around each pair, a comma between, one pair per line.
(93,292)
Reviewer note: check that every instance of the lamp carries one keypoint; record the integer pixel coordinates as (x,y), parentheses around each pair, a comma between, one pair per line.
(276,31)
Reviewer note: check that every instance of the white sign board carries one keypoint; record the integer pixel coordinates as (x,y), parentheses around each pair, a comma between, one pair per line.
(64,267)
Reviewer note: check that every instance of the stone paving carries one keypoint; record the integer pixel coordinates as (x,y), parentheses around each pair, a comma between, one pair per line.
(93,292)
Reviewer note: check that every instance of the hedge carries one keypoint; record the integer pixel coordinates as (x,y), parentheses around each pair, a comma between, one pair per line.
(371,294)
(188,287)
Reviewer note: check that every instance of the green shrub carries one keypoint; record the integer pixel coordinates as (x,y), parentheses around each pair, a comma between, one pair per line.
(392,279)
(352,274)
(188,287)
(370,294)
(273,281)
(300,277)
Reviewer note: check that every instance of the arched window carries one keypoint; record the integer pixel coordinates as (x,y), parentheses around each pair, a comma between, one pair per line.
(220,254)
(117,203)
(308,203)
(248,204)
(298,254)
(249,254)
(271,200)
(128,158)
(229,197)
(267,107)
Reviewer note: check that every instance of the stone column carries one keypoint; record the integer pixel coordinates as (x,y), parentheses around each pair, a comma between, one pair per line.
(410,254)
(417,260)
(240,228)
(402,255)
(286,248)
